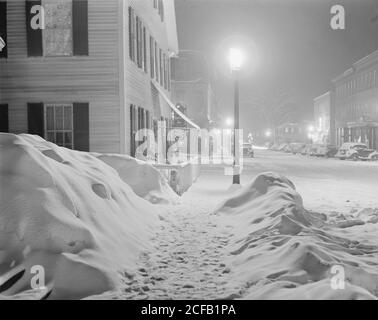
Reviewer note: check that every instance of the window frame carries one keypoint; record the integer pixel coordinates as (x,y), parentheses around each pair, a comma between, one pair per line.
(72,36)
(152,57)
(55,131)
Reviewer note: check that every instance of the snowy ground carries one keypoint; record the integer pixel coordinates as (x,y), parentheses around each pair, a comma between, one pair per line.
(107,222)
(325,185)
(191,258)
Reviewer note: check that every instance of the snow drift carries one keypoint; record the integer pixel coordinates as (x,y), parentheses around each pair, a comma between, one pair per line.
(279,250)
(146,181)
(70,213)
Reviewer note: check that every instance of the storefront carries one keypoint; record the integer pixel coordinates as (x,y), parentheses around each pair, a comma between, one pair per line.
(362,132)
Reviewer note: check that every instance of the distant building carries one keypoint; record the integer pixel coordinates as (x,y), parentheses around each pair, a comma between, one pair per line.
(97,72)
(356,103)
(192,88)
(292,132)
(322,118)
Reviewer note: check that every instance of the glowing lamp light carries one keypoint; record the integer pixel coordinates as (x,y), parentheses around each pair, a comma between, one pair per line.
(236,59)
(310,128)
(229,122)
(268,133)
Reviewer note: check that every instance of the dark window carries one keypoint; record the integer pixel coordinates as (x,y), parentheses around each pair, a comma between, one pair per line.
(133,129)
(144,50)
(161,76)
(169,74)
(152,56)
(165,71)
(3,30)
(161,10)
(131,34)
(4,119)
(157,73)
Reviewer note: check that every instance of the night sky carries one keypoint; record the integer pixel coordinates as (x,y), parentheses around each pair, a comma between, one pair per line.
(293,46)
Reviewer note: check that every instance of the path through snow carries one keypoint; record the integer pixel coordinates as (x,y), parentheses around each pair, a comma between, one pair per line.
(188,259)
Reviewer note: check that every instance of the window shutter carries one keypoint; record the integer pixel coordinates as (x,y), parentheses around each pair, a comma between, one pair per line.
(34,37)
(132,130)
(81,126)
(3,28)
(4,124)
(131,33)
(80,27)
(36,121)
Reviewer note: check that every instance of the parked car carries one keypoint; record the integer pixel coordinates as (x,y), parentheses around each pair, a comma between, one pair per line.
(297,147)
(313,149)
(373,156)
(354,151)
(248,150)
(325,150)
(306,150)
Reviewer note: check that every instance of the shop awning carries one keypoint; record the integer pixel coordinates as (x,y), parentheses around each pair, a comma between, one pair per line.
(173,106)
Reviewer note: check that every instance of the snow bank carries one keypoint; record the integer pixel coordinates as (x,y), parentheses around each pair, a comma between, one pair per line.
(279,250)
(70,213)
(146,181)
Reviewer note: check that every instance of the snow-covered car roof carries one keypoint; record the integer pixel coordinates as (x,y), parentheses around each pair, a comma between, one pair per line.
(353,144)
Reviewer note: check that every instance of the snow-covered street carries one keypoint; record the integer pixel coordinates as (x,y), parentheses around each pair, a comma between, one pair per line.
(190,257)
(113,225)
(325,185)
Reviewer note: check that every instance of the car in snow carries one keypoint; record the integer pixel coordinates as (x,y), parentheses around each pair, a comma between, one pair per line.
(306,150)
(297,147)
(325,150)
(373,156)
(248,150)
(284,147)
(354,151)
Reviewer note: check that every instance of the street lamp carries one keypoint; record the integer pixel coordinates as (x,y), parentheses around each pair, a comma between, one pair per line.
(236,62)
(229,122)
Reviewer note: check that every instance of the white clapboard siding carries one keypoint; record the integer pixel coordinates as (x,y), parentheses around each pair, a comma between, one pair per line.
(93,79)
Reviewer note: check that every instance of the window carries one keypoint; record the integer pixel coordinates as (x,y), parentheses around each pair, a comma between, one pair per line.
(152,57)
(57,35)
(161,67)
(157,73)
(133,129)
(161,9)
(138,42)
(131,34)
(169,74)
(165,71)
(144,50)
(65,30)
(59,124)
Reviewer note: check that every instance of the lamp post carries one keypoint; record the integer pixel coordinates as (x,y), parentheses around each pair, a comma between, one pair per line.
(236,60)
